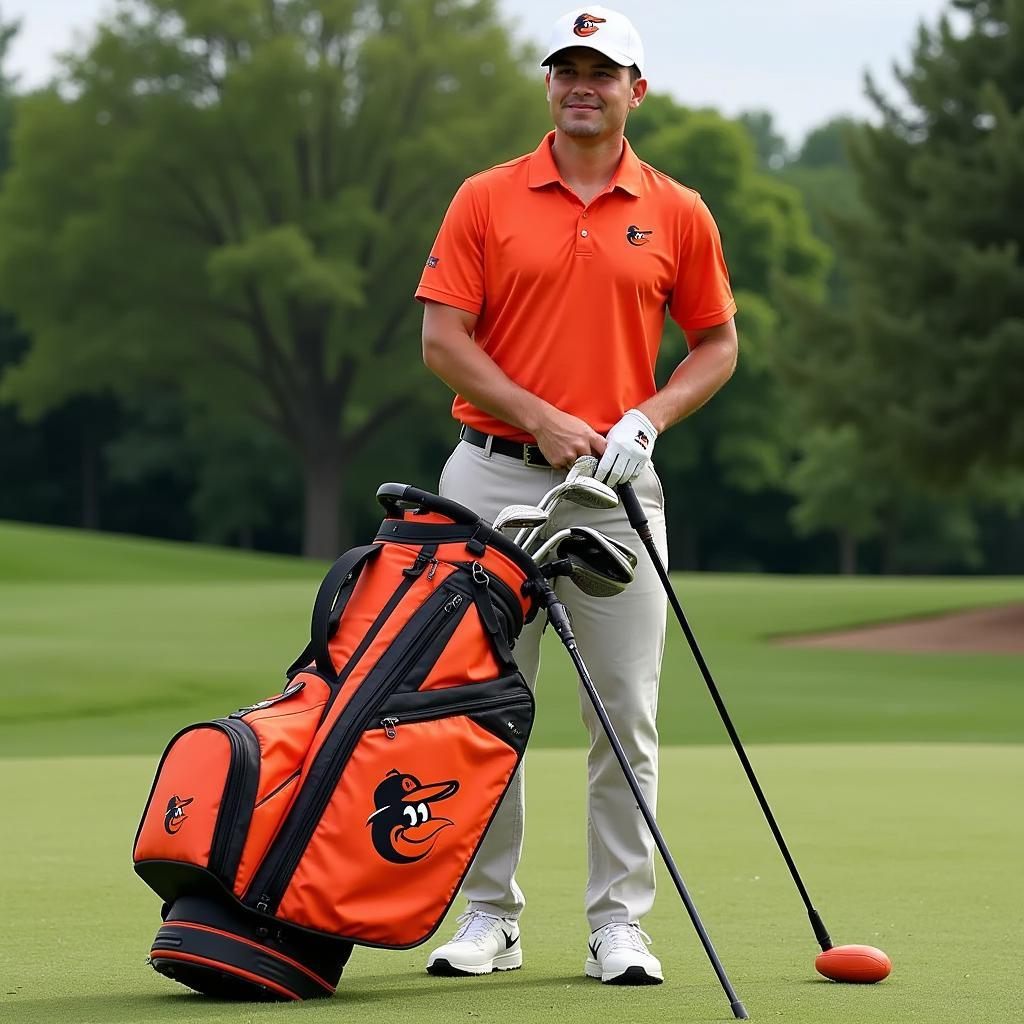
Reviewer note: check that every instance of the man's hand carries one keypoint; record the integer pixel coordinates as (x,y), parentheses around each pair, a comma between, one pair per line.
(630,443)
(563,438)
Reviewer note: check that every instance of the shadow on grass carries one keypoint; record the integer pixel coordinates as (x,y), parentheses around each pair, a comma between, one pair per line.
(382,991)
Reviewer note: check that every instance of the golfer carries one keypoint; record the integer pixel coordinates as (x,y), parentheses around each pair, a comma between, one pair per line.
(544,299)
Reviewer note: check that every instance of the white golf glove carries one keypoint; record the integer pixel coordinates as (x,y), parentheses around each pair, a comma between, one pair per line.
(630,443)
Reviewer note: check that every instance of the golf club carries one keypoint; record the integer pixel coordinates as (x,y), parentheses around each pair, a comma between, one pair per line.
(520,517)
(587,538)
(594,563)
(585,465)
(558,616)
(638,521)
(584,491)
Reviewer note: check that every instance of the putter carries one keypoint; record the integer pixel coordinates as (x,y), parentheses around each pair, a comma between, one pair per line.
(638,521)
(520,517)
(558,616)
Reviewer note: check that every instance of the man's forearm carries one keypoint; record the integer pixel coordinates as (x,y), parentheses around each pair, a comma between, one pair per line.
(471,373)
(695,380)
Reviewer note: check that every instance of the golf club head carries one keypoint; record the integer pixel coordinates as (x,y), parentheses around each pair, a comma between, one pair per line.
(587,492)
(584,491)
(520,517)
(545,549)
(623,550)
(600,566)
(585,465)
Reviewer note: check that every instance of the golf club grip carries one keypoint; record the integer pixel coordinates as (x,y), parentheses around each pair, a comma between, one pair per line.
(634,511)
(637,519)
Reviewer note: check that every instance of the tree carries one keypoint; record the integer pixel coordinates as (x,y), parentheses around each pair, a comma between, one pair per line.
(909,378)
(729,460)
(8,30)
(772,148)
(256,183)
(938,264)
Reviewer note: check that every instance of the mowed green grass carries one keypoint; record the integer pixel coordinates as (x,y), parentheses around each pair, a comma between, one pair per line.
(896,778)
(108,645)
(911,847)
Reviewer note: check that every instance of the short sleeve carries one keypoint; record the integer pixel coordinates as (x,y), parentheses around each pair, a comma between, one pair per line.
(702,296)
(454,272)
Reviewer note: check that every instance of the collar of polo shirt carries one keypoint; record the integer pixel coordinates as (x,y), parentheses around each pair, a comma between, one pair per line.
(544,171)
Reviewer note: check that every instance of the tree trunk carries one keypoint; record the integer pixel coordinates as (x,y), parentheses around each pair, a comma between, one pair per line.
(847,553)
(90,484)
(321,528)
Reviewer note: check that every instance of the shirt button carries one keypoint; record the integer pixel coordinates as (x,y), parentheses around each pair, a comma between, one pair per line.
(585,216)
(583,233)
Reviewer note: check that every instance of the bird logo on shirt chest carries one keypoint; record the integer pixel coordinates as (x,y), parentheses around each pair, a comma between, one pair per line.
(638,236)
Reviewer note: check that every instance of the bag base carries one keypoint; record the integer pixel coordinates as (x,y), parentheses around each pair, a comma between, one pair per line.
(224,951)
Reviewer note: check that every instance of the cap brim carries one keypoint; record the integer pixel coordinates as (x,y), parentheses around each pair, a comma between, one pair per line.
(426,794)
(620,58)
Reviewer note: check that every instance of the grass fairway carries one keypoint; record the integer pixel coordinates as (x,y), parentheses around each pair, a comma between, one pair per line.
(142,637)
(895,777)
(914,848)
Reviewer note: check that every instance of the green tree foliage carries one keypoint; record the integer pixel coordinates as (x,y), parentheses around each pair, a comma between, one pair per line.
(739,444)
(939,266)
(772,149)
(255,184)
(911,377)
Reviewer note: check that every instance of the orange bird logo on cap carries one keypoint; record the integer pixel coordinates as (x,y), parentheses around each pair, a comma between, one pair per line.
(587,24)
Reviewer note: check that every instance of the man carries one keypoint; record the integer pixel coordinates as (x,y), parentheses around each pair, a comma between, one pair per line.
(544,300)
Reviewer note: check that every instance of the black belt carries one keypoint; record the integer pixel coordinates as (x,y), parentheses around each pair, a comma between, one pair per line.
(528,454)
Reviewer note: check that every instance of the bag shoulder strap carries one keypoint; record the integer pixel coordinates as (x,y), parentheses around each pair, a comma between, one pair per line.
(340,577)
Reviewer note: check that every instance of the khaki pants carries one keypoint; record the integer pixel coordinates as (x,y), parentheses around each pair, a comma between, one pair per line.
(622,640)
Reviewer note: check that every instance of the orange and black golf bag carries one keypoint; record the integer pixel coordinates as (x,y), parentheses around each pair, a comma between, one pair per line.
(347,808)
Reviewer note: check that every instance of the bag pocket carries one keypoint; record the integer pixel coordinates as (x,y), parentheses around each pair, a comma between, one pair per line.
(284,727)
(409,811)
(198,809)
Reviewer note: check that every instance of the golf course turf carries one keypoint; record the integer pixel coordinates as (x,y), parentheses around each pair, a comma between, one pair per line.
(895,778)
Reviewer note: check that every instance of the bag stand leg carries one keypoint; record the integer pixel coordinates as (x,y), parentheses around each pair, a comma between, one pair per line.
(559,619)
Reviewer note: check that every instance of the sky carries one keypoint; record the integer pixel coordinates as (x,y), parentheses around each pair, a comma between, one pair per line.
(803,60)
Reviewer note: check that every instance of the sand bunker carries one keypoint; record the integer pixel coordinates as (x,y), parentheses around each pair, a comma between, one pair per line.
(980,631)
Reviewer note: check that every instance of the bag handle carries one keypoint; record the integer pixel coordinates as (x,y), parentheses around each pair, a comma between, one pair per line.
(351,564)
(397,497)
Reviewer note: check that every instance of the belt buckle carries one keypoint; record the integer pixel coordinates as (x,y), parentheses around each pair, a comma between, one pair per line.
(527,448)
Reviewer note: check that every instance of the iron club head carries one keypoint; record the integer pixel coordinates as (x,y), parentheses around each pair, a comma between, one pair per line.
(520,517)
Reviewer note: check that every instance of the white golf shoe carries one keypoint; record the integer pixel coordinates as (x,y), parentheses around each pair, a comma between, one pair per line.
(483,943)
(619,956)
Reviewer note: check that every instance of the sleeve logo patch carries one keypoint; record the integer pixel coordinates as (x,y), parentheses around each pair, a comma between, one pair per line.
(432,261)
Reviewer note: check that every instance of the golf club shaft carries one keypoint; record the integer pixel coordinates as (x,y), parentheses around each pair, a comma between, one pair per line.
(559,618)
(638,521)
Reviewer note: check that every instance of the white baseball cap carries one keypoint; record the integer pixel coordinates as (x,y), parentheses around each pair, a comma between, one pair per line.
(601,29)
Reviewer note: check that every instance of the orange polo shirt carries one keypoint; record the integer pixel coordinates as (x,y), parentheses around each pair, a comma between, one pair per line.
(571,298)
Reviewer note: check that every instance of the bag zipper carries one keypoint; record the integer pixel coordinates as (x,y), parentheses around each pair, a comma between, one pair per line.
(293,839)
(423,558)
(244,769)
(291,691)
(277,789)
(502,592)
(391,723)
